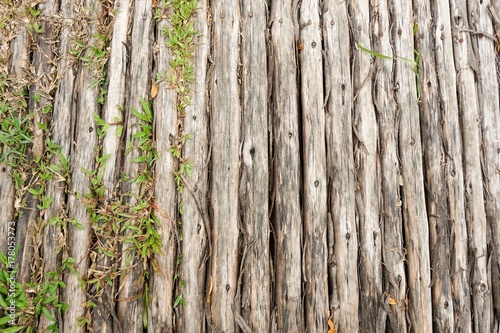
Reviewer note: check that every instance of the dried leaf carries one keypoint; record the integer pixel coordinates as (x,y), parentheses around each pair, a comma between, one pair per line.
(154,89)
(392,301)
(331,324)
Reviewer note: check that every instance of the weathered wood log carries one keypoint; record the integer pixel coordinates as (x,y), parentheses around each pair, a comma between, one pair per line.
(366,164)
(254,180)
(343,274)
(112,143)
(393,252)
(452,141)
(225,135)
(435,177)
(467,67)
(165,119)
(486,50)
(410,150)
(82,158)
(133,282)
(286,169)
(195,219)
(314,166)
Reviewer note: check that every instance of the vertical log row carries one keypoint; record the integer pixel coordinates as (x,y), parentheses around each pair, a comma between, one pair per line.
(254,179)
(165,192)
(410,150)
(343,243)
(82,158)
(486,50)
(112,115)
(392,304)
(453,168)
(132,283)
(225,136)
(435,178)
(366,163)
(467,68)
(195,219)
(314,176)
(63,112)
(286,168)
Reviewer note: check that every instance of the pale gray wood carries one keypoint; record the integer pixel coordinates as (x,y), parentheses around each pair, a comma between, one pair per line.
(165,119)
(138,81)
(467,67)
(393,251)
(195,219)
(225,136)
(314,176)
(435,174)
(410,150)
(486,50)
(452,141)
(112,144)
(254,181)
(62,135)
(286,169)
(343,274)
(366,164)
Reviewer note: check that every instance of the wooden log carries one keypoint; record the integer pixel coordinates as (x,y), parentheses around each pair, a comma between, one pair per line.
(435,175)
(486,50)
(62,136)
(393,252)
(18,63)
(410,150)
(467,67)
(366,164)
(225,136)
(343,243)
(286,169)
(195,219)
(31,221)
(112,143)
(452,141)
(254,180)
(131,308)
(82,158)
(165,119)
(314,176)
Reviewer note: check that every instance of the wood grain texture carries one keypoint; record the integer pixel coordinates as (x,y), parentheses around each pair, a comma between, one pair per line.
(286,169)
(366,163)
(343,244)
(254,178)
(410,150)
(165,124)
(225,129)
(195,219)
(435,174)
(453,148)
(388,117)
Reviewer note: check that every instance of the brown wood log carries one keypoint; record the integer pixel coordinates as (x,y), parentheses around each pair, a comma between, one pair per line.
(254,179)
(343,243)
(225,136)
(393,252)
